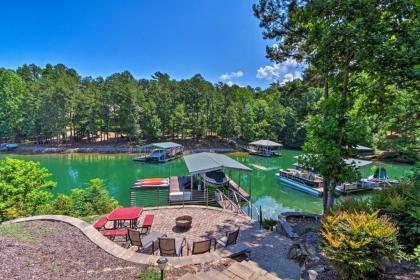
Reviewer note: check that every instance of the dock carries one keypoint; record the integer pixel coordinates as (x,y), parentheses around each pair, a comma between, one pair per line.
(235,187)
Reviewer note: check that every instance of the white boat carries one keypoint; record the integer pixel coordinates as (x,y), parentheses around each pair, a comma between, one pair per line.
(312,183)
(302,181)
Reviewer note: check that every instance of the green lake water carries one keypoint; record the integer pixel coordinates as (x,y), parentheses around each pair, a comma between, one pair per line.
(119,172)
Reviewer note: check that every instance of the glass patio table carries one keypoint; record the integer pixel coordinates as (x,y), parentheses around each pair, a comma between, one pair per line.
(120,215)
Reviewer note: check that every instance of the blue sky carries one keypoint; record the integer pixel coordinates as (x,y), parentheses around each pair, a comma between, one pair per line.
(218,38)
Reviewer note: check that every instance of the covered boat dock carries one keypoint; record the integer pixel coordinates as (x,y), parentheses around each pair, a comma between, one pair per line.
(160,152)
(266,148)
(195,188)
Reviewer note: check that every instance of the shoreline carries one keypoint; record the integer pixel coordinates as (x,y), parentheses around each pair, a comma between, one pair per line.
(103,149)
(129,149)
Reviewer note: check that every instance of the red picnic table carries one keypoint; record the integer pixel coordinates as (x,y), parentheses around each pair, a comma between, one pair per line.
(120,215)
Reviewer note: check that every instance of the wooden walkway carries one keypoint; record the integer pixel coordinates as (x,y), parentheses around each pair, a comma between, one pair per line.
(234,186)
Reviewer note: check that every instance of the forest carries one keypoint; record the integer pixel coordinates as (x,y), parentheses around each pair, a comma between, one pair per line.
(55,104)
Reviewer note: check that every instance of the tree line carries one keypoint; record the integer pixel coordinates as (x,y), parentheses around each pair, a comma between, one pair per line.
(55,104)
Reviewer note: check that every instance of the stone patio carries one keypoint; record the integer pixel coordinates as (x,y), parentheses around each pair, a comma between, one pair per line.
(206,223)
(268,249)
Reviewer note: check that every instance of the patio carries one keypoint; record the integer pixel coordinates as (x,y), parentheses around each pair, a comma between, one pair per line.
(207,223)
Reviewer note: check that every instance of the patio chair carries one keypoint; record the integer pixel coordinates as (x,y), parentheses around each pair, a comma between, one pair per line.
(199,247)
(171,247)
(229,239)
(143,242)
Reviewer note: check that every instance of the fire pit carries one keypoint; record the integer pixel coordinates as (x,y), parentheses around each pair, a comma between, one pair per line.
(184,222)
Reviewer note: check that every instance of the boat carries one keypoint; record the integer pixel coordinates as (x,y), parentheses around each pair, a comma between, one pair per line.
(8,147)
(265,148)
(151,183)
(216,177)
(312,183)
(304,181)
(160,152)
(379,180)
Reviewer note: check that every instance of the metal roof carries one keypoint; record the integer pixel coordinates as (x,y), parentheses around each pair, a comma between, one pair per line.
(357,162)
(205,162)
(361,148)
(266,143)
(163,145)
(349,161)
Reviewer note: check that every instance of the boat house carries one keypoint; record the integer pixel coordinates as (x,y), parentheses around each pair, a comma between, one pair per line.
(160,152)
(266,148)
(207,182)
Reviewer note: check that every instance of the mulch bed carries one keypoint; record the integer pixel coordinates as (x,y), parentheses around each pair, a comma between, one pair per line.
(56,250)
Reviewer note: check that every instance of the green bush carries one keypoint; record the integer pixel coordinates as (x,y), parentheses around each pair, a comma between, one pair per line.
(357,243)
(402,204)
(24,188)
(93,200)
(268,224)
(417,254)
(350,204)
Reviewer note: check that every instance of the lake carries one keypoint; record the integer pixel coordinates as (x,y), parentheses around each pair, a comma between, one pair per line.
(119,172)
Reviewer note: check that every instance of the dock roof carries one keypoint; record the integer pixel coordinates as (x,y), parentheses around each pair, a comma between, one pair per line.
(266,143)
(349,161)
(163,145)
(205,162)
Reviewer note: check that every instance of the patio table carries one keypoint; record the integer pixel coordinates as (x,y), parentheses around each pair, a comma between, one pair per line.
(120,215)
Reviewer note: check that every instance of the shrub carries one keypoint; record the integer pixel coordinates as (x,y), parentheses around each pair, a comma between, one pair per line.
(417,254)
(357,243)
(350,204)
(24,188)
(268,224)
(93,200)
(402,204)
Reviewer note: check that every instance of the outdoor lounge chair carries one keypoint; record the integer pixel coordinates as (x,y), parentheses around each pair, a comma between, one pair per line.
(171,247)
(143,242)
(229,239)
(199,247)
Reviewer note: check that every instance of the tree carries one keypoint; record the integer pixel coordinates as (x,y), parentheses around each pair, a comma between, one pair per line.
(336,40)
(24,188)
(12,93)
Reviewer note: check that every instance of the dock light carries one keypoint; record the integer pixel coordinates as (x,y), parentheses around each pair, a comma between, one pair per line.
(161,262)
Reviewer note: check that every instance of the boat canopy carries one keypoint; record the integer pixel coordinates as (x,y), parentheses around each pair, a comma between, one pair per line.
(265,143)
(163,145)
(360,148)
(205,162)
(357,162)
(349,161)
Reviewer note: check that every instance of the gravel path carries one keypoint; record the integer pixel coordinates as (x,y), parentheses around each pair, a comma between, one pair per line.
(55,250)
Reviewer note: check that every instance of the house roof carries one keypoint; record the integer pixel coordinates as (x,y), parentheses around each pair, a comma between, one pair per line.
(266,143)
(205,162)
